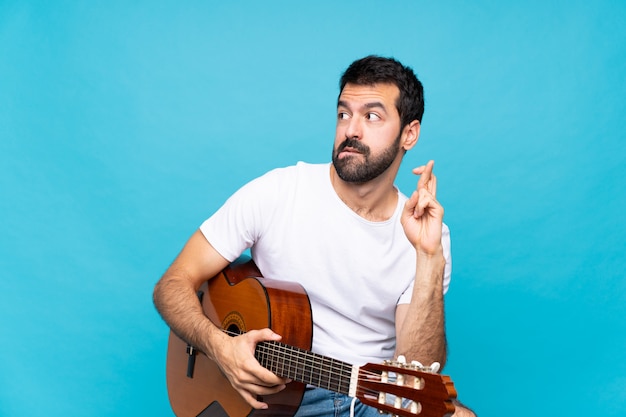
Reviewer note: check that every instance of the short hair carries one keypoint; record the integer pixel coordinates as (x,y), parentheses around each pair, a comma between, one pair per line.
(379,70)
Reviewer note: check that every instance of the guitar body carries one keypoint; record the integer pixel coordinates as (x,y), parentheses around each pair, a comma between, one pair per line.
(237,300)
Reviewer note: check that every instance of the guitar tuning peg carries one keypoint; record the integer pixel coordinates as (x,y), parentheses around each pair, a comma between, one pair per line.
(401,359)
(434,367)
(417,364)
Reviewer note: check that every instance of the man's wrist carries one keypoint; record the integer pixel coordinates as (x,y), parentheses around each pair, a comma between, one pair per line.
(427,256)
(430,268)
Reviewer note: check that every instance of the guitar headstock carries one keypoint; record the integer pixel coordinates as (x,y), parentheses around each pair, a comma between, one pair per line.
(406,389)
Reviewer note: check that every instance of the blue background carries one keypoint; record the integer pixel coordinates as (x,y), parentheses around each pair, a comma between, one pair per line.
(122,126)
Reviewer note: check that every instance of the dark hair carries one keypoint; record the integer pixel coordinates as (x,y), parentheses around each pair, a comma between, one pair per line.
(378,70)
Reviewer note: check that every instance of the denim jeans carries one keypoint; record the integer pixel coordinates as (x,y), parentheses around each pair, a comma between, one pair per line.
(318,402)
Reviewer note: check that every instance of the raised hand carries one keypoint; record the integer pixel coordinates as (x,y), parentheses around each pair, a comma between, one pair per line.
(423,215)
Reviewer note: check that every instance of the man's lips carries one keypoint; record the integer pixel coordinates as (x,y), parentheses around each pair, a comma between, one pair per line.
(350,149)
(346,153)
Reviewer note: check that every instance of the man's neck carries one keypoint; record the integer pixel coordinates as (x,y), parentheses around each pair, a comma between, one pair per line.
(375,200)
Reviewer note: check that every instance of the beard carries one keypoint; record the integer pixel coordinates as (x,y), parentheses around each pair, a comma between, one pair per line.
(350,169)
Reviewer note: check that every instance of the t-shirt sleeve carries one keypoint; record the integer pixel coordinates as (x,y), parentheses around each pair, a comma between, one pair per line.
(239,223)
(406,296)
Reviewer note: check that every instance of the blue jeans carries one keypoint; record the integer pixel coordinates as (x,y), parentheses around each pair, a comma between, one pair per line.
(318,402)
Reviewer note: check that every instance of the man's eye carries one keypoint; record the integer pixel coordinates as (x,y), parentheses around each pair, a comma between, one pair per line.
(342,115)
(373,117)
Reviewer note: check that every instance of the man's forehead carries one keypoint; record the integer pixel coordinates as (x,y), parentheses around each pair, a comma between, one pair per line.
(387,90)
(385,94)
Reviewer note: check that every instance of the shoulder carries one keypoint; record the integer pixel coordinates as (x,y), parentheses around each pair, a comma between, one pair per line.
(302,169)
(279,183)
(293,175)
(297,170)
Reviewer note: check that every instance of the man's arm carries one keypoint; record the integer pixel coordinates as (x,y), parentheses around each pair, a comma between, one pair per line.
(175,299)
(175,293)
(420,327)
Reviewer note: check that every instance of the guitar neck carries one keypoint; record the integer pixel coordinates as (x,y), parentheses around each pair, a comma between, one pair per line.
(304,366)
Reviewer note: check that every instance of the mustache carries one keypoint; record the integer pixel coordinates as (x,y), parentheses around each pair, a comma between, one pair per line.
(354,144)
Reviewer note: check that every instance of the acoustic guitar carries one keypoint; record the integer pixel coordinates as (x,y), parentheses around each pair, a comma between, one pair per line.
(240,299)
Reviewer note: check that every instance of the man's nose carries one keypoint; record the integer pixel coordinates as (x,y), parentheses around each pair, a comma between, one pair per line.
(354,129)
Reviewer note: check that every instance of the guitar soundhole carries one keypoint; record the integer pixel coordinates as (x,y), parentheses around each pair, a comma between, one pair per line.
(233,324)
(233,330)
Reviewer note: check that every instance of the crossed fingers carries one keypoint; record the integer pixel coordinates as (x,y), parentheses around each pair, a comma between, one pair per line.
(427,180)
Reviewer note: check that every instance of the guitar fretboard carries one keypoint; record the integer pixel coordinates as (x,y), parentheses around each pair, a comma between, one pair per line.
(304,366)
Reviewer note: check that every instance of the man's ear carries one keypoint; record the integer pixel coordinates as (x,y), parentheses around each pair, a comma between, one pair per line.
(411,134)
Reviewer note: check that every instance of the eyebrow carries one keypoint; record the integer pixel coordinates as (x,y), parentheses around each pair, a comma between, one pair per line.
(374,104)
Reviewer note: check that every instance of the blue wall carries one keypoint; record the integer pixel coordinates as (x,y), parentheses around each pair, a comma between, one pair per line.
(123,126)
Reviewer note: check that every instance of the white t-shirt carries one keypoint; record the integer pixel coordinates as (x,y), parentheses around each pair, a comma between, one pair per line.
(354,271)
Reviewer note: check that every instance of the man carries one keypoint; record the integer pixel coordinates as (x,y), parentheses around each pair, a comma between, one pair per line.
(374,263)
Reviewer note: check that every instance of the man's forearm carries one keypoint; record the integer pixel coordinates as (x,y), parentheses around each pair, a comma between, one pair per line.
(180,307)
(422,334)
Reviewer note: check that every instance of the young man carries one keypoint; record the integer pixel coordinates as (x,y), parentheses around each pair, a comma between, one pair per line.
(374,263)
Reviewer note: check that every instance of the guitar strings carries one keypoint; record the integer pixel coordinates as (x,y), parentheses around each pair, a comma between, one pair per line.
(314,361)
(336,371)
(322,372)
